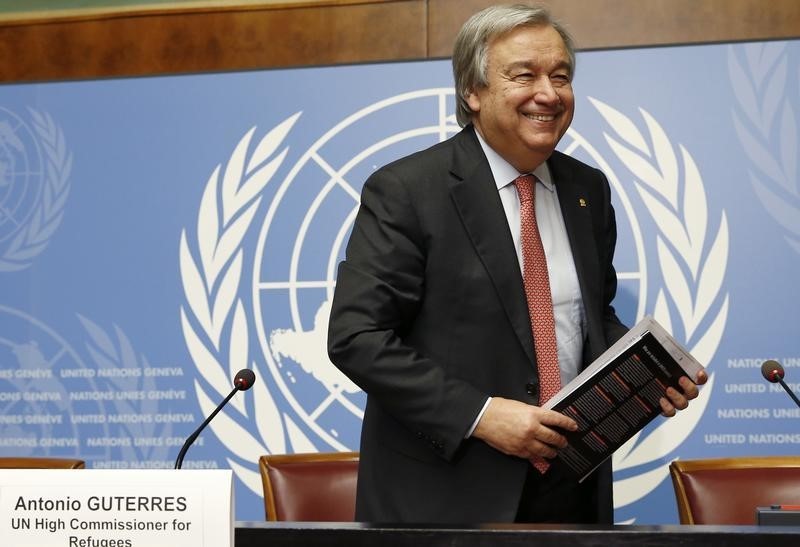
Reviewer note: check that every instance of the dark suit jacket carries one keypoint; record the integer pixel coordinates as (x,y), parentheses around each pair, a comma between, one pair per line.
(429,318)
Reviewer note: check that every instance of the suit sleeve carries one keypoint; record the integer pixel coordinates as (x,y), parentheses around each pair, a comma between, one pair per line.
(380,288)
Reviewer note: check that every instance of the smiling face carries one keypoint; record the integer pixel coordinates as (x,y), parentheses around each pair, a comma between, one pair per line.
(527,103)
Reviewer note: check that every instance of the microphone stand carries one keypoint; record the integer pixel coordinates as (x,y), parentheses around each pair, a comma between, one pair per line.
(193,436)
(789,391)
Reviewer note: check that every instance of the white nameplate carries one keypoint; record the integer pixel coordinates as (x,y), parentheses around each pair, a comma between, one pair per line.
(116,508)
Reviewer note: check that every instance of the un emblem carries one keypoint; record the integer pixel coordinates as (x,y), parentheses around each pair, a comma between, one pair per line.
(306,404)
(41,373)
(317,204)
(34,169)
(766,126)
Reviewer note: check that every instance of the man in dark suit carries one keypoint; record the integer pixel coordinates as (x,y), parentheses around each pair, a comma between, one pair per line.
(430,315)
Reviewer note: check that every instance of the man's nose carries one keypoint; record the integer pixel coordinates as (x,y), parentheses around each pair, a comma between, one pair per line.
(545,92)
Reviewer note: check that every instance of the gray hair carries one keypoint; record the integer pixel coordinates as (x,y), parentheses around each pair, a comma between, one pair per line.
(472,43)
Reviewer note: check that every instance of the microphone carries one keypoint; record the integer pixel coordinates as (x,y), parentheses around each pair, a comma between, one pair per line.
(773,372)
(243,381)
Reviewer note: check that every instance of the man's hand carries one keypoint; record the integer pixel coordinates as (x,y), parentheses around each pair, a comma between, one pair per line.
(522,430)
(675,400)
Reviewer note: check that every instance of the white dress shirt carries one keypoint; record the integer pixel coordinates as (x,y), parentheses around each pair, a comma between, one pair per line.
(568,310)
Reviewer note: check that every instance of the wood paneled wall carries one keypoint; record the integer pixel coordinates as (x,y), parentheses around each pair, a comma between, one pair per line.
(171,40)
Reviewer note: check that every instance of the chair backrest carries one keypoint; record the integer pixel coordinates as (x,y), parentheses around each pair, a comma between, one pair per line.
(728,490)
(41,463)
(310,487)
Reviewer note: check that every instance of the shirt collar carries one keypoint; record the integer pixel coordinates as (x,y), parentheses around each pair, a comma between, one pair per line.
(504,173)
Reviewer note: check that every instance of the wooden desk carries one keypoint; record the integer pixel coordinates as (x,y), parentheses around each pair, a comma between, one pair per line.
(299,534)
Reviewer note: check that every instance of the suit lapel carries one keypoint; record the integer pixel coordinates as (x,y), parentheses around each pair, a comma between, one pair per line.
(577,213)
(475,195)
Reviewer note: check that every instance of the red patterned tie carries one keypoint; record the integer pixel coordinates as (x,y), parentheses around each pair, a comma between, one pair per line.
(537,292)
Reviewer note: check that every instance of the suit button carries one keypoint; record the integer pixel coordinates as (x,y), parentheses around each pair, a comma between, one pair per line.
(532,389)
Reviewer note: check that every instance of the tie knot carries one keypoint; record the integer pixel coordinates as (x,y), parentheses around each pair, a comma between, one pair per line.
(524,184)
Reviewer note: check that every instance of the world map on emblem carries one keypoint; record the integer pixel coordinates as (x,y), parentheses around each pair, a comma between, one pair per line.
(21,173)
(297,254)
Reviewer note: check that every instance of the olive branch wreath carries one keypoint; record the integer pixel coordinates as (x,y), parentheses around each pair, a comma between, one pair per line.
(117,352)
(766,126)
(34,237)
(211,271)
(692,268)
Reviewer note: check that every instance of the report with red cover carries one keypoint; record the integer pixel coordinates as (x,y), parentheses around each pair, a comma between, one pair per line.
(619,393)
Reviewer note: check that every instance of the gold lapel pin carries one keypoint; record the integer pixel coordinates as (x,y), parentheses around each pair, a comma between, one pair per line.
(582,202)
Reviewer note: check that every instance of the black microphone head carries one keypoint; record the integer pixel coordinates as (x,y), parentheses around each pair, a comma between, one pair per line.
(244,379)
(772,371)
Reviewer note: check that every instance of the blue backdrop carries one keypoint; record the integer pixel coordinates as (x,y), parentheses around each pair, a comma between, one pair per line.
(159,234)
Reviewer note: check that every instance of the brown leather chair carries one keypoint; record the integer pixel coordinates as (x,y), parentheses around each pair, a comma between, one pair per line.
(728,490)
(41,463)
(310,487)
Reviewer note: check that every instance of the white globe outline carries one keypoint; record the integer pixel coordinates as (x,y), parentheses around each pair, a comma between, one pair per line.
(29,173)
(446,126)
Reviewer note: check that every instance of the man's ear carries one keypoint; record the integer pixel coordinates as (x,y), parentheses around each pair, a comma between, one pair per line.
(473,100)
